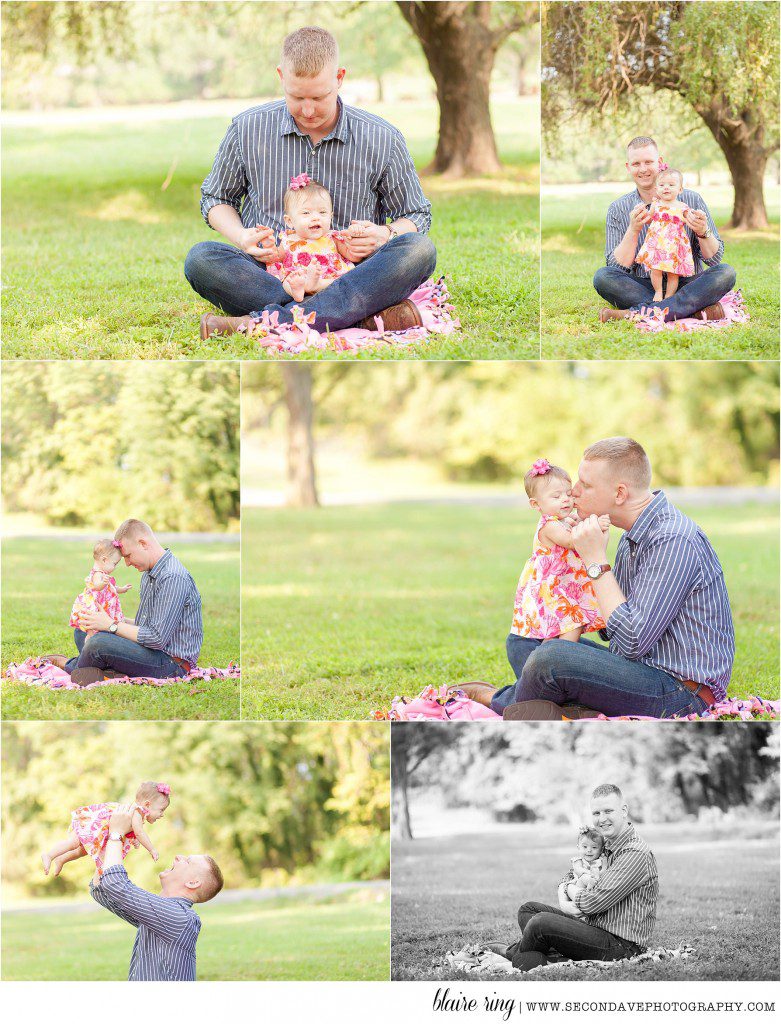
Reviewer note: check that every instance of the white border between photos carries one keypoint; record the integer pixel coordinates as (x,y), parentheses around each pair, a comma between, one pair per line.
(391,1002)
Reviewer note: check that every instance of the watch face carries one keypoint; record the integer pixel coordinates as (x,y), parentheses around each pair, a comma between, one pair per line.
(593,572)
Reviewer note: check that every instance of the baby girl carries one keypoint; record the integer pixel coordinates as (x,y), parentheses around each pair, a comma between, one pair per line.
(90,828)
(101,591)
(587,866)
(555,597)
(666,248)
(311,256)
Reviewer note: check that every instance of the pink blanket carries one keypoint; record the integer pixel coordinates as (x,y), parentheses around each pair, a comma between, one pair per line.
(445,704)
(651,320)
(431,298)
(37,672)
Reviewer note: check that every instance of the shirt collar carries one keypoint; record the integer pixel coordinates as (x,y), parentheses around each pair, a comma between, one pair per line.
(613,845)
(161,563)
(340,131)
(639,529)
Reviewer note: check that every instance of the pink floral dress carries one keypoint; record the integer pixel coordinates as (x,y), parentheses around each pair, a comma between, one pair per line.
(554,593)
(90,825)
(299,252)
(666,246)
(105,599)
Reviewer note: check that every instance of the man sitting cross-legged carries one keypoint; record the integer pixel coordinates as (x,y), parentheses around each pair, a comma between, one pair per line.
(164,640)
(363,164)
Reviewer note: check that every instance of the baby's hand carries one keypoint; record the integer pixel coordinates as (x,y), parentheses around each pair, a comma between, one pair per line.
(154,855)
(604,523)
(572,519)
(589,883)
(124,590)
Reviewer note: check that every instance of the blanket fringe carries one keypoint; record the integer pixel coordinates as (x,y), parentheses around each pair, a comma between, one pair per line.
(39,672)
(651,320)
(477,959)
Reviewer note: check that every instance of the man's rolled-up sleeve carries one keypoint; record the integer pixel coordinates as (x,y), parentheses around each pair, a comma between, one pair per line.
(226,183)
(665,574)
(170,599)
(401,194)
(629,870)
(615,229)
(718,256)
(137,906)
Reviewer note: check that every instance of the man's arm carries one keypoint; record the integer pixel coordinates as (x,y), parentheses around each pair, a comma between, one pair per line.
(629,870)
(162,915)
(711,250)
(622,237)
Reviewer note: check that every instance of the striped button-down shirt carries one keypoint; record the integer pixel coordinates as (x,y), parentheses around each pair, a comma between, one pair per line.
(169,611)
(676,616)
(364,164)
(623,901)
(618,221)
(168,927)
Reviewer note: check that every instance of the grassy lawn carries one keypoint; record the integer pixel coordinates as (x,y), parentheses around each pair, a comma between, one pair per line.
(343,608)
(573,245)
(291,939)
(41,578)
(728,914)
(92,195)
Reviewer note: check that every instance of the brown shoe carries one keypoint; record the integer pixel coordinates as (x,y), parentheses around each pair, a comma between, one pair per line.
(714,312)
(215,326)
(85,676)
(608,313)
(400,317)
(533,711)
(481,693)
(575,711)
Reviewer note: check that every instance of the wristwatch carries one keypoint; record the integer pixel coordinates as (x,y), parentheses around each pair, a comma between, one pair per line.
(113,627)
(393,232)
(115,837)
(594,571)
(708,234)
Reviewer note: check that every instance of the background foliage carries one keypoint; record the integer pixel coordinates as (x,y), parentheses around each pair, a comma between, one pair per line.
(270,802)
(702,423)
(90,444)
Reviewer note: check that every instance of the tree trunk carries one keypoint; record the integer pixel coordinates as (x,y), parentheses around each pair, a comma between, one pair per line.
(742,143)
(301,487)
(400,823)
(460,48)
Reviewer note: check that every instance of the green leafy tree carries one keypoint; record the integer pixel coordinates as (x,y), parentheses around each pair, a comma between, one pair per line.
(721,58)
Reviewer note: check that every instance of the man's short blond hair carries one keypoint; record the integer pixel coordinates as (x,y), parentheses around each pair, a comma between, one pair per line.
(213,882)
(307,51)
(641,140)
(132,529)
(627,459)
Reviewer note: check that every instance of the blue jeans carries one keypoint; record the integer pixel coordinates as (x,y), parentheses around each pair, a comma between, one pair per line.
(587,673)
(118,654)
(625,291)
(238,284)
(545,929)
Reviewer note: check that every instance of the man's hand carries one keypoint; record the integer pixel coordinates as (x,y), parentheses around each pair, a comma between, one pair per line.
(590,541)
(639,217)
(121,819)
(96,619)
(362,238)
(696,220)
(565,904)
(259,242)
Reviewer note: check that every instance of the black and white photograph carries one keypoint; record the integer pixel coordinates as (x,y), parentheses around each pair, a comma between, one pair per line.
(587,853)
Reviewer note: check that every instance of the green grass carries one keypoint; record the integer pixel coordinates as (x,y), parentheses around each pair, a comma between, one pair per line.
(343,608)
(730,917)
(42,577)
(94,248)
(573,246)
(292,939)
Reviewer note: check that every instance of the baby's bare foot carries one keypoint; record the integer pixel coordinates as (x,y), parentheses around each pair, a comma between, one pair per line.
(56,866)
(313,277)
(46,861)
(657,296)
(295,283)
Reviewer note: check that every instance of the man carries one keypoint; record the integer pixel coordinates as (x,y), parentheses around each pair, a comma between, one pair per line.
(627,284)
(366,167)
(669,625)
(166,636)
(615,918)
(167,926)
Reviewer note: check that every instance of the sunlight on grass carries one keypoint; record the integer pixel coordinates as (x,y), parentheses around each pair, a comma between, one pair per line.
(132,206)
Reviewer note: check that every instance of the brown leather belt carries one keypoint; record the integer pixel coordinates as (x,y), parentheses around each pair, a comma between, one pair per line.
(700,690)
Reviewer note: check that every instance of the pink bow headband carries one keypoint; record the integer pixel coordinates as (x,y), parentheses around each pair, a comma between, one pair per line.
(164,788)
(540,467)
(663,165)
(300,181)
(116,543)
